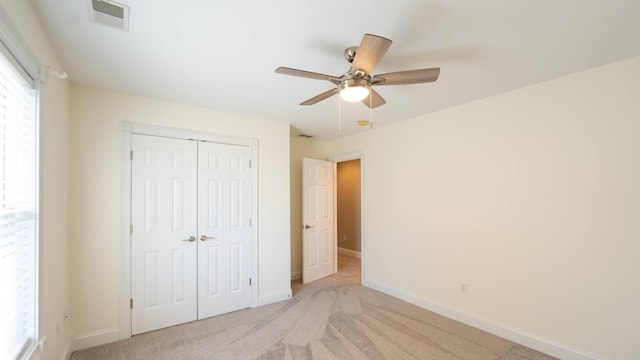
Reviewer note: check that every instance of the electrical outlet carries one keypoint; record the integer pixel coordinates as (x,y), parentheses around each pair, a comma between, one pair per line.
(464,288)
(344,238)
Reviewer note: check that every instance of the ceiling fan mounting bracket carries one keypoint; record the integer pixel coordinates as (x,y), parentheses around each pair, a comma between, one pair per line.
(350,53)
(376,81)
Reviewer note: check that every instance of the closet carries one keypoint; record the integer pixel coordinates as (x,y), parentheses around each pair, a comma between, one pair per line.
(190,230)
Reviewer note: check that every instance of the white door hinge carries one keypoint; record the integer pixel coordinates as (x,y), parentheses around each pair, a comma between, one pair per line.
(130,228)
(130,303)
(131,155)
(249,164)
(249,281)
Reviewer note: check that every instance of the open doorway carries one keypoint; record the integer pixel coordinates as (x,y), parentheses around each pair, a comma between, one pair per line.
(348,217)
(320,244)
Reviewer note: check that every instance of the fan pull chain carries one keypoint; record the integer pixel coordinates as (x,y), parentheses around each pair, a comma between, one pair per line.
(370,111)
(339,117)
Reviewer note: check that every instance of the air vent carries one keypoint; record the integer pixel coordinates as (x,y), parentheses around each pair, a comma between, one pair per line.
(111,13)
(305,136)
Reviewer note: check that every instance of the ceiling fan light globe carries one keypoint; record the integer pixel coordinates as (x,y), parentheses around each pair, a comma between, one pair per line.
(354,90)
(354,93)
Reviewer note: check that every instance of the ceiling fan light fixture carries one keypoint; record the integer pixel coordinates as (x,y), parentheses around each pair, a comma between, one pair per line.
(354,90)
(355,85)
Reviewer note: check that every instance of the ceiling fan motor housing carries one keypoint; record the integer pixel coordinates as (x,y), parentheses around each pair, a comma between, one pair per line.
(353,82)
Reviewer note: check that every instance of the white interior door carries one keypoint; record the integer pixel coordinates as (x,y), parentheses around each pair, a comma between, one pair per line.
(318,239)
(191,232)
(163,246)
(223,227)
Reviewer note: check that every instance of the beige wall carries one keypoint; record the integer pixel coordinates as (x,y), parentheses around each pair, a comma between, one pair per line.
(531,197)
(348,204)
(95,253)
(54,126)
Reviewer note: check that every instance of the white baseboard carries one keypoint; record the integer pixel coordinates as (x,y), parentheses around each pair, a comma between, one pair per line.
(532,341)
(535,342)
(348,252)
(95,338)
(37,351)
(274,297)
(101,337)
(296,275)
(66,353)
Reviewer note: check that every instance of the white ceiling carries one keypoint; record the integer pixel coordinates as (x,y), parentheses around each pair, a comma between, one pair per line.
(222,54)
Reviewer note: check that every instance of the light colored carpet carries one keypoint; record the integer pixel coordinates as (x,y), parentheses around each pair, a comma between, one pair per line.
(333,318)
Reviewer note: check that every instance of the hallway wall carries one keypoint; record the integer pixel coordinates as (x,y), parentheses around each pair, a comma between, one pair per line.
(348,205)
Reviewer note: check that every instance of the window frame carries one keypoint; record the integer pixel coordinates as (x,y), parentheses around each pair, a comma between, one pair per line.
(13,48)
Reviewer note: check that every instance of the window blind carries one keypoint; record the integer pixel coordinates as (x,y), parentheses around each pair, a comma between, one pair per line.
(18,210)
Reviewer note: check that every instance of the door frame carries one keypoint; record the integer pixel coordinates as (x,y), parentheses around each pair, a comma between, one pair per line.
(363,214)
(127,129)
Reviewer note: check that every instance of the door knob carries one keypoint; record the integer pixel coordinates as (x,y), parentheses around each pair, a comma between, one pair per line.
(190,239)
(308,227)
(205,238)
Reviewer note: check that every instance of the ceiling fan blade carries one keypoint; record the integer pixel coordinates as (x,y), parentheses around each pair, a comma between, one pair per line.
(307,74)
(370,52)
(320,97)
(407,77)
(375,98)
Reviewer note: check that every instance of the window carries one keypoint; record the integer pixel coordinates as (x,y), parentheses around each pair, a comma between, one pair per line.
(18,209)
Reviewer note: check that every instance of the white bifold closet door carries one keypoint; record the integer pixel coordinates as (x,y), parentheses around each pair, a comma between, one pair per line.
(224,231)
(190,244)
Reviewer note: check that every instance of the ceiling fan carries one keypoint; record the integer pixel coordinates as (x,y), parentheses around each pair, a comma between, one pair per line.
(356,84)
